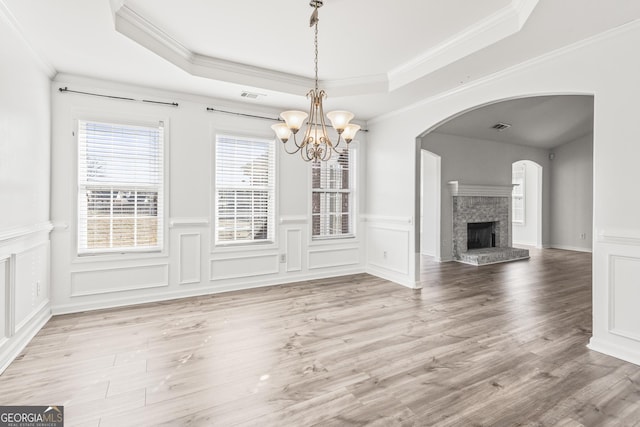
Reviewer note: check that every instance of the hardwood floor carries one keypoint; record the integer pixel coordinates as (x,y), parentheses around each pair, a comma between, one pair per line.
(498,345)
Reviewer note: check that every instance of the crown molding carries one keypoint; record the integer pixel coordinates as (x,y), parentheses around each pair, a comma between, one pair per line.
(44,64)
(497,26)
(545,57)
(505,22)
(136,27)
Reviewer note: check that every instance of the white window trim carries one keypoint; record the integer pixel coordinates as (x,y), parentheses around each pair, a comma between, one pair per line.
(522,196)
(109,116)
(349,238)
(250,245)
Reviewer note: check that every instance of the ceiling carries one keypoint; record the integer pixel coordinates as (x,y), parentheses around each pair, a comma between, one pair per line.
(540,121)
(375,56)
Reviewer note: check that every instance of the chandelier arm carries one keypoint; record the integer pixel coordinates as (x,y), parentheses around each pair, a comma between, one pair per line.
(290,152)
(298,147)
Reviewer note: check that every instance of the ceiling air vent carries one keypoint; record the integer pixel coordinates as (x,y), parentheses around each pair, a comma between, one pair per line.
(500,126)
(251,95)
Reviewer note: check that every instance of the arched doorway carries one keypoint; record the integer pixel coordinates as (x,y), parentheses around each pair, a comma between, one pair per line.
(470,154)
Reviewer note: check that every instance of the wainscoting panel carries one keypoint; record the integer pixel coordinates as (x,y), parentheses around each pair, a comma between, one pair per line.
(294,249)
(107,280)
(624,294)
(244,266)
(388,248)
(333,257)
(30,283)
(189,258)
(4,290)
(616,292)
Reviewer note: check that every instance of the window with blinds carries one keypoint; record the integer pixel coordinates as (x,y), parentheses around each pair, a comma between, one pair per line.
(332,196)
(120,188)
(244,190)
(517,197)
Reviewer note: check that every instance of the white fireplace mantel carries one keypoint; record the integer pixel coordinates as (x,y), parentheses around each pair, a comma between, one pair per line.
(458,189)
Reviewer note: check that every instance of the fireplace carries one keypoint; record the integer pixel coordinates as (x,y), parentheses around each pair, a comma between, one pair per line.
(481,235)
(481,223)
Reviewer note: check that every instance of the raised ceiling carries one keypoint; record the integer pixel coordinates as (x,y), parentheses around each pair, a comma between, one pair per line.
(376,56)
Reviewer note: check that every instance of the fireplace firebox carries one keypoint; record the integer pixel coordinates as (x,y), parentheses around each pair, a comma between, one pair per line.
(481,235)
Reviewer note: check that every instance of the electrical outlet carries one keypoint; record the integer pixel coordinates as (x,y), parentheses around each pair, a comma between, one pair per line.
(283,257)
(38,288)
(583,236)
(384,254)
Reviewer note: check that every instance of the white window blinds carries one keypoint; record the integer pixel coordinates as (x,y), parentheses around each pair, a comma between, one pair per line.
(120,188)
(244,189)
(332,196)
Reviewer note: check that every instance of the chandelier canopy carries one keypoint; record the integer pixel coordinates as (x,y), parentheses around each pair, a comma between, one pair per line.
(316,144)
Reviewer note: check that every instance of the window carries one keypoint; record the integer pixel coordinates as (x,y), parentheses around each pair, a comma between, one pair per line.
(120,188)
(244,190)
(518,177)
(332,199)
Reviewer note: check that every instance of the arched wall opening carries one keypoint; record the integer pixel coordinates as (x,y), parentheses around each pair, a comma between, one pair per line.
(482,161)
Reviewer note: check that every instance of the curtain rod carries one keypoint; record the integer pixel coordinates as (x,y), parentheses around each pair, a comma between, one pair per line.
(274,119)
(66,89)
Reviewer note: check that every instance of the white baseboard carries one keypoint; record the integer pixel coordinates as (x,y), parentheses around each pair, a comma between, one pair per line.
(529,244)
(614,350)
(195,289)
(13,346)
(392,276)
(570,248)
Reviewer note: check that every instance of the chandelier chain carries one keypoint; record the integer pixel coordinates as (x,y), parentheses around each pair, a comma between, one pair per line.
(315,42)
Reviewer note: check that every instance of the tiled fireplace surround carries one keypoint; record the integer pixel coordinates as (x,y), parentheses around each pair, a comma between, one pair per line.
(470,209)
(481,203)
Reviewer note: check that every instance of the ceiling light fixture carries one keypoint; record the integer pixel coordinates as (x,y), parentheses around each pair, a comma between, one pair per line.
(316,144)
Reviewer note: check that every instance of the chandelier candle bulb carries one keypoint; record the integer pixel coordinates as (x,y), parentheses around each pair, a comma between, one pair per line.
(350,131)
(294,119)
(339,119)
(282,131)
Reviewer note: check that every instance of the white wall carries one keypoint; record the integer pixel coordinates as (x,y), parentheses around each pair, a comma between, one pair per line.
(572,195)
(430,222)
(191,264)
(529,232)
(479,162)
(602,66)
(24,192)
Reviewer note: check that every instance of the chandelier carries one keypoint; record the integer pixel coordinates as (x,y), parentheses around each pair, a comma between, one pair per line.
(316,144)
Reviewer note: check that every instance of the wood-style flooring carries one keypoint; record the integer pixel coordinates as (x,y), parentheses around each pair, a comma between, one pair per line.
(498,345)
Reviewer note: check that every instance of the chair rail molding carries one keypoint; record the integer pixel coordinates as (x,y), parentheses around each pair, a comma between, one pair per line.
(26,231)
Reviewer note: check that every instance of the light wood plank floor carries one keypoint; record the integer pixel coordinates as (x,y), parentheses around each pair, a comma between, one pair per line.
(499,345)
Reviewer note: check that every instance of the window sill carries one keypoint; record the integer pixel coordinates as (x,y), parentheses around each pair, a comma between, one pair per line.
(243,247)
(325,241)
(117,256)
